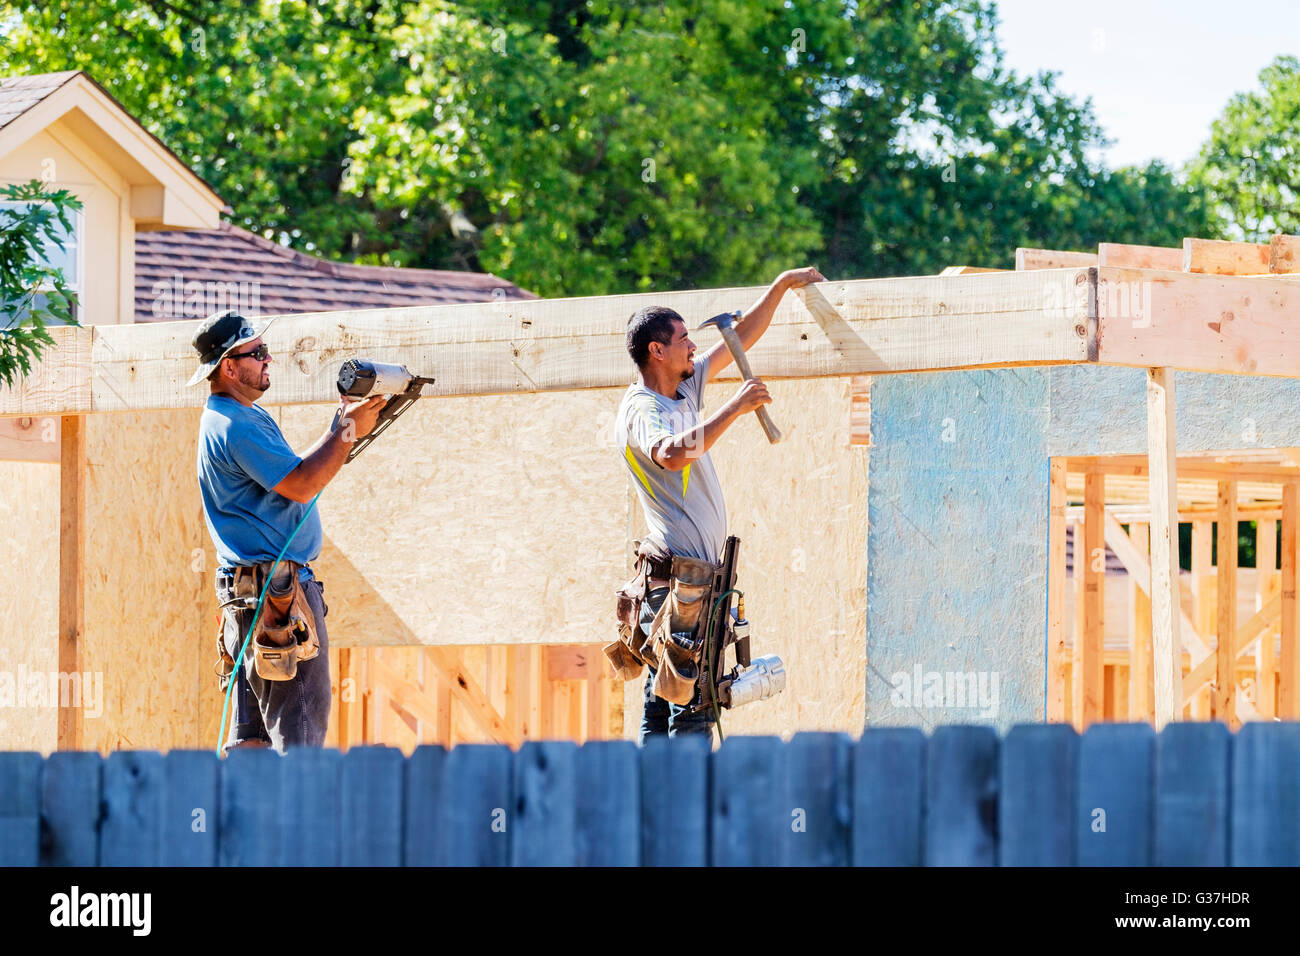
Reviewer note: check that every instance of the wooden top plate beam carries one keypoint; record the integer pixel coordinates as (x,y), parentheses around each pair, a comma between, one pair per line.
(871,326)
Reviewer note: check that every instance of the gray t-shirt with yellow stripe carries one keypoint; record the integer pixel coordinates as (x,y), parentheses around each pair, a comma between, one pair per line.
(683,509)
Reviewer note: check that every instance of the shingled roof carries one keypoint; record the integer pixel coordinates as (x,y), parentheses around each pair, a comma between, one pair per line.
(187,274)
(18,94)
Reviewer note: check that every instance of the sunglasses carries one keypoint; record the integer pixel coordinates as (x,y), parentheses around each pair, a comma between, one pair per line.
(261,354)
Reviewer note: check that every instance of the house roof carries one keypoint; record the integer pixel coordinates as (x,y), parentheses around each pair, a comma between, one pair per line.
(186,274)
(165,192)
(18,94)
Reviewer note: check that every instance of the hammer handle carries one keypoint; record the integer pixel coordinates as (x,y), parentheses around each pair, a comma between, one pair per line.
(742,364)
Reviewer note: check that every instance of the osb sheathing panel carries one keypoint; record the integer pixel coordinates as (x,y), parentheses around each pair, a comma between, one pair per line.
(474,519)
(505,518)
(800,511)
(148,578)
(29,596)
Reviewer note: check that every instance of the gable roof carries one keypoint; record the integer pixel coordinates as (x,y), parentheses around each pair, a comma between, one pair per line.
(165,192)
(18,94)
(189,274)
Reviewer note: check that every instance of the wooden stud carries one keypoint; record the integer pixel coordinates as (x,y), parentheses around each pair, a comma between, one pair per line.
(1056,584)
(346,707)
(1165,637)
(1289,663)
(72,561)
(538,709)
(1080,621)
(1267,583)
(1141,703)
(1094,597)
(598,688)
(520,689)
(1225,691)
(860,410)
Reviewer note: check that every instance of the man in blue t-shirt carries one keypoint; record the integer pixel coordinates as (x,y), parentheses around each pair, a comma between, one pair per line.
(257,496)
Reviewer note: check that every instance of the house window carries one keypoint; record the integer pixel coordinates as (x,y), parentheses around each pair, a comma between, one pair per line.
(70,259)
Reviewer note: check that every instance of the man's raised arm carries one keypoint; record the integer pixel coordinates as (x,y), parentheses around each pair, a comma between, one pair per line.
(759,315)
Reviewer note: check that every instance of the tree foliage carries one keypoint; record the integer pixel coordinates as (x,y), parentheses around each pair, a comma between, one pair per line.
(1248,168)
(595,146)
(32,292)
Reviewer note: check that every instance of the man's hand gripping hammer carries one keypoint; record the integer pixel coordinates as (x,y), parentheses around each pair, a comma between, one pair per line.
(724,323)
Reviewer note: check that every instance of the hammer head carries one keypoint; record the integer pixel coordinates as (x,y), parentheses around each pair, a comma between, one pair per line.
(722,321)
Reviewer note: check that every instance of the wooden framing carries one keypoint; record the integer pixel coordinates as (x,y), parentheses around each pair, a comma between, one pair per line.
(72,563)
(838,328)
(1228,309)
(1093,560)
(410,701)
(1056,653)
(1225,684)
(1165,639)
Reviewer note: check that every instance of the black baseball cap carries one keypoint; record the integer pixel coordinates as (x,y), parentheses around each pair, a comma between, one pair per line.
(218,335)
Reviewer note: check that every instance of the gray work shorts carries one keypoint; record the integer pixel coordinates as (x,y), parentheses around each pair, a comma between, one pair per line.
(292,713)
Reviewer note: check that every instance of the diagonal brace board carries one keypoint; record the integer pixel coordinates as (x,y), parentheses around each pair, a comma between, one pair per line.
(869,326)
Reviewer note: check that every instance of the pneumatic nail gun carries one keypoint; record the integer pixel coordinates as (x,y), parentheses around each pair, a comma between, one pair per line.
(362,378)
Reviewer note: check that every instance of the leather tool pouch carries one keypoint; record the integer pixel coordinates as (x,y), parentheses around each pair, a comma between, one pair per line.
(286,633)
(625,654)
(676,637)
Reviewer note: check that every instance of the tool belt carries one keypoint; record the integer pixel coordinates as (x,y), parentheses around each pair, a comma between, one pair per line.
(675,641)
(286,628)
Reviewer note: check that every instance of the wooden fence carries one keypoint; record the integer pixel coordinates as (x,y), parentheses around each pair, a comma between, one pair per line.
(1118,795)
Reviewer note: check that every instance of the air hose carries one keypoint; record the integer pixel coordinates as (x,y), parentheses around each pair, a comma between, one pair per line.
(234,674)
(708,655)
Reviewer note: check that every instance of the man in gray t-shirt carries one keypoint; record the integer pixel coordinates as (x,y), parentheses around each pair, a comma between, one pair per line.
(664,441)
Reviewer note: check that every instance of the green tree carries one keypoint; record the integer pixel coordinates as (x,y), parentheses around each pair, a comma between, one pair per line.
(32,292)
(1248,167)
(594,146)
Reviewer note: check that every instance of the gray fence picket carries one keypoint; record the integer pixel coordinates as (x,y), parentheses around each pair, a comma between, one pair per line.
(749,806)
(819,788)
(1114,823)
(1036,796)
(20,808)
(190,821)
(476,819)
(1266,795)
(131,831)
(70,795)
(888,787)
(542,831)
(372,807)
(675,801)
(961,779)
(423,801)
(608,822)
(312,789)
(251,808)
(1192,795)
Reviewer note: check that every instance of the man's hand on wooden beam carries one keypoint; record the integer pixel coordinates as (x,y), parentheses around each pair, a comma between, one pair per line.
(758,316)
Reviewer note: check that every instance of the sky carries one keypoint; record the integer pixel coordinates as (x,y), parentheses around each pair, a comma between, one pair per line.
(1159,73)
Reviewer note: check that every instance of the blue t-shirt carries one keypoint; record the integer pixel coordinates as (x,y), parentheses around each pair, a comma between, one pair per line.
(242,456)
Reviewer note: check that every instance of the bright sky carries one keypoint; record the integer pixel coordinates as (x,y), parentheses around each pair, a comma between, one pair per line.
(1158,72)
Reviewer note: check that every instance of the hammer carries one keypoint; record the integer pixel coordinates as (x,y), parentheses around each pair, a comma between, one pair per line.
(723,322)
